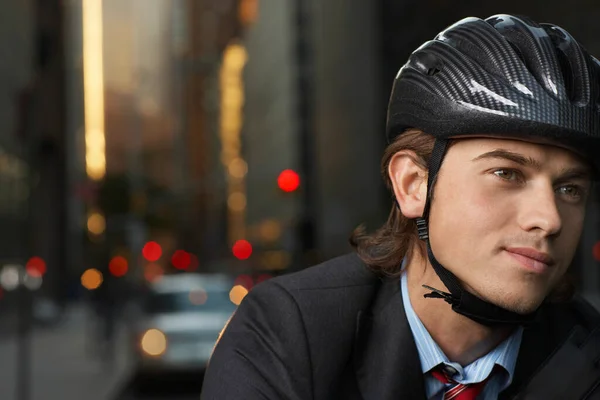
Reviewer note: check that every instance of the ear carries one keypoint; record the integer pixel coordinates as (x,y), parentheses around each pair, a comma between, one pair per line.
(409,182)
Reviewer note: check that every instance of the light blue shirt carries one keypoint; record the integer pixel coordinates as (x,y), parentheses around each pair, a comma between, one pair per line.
(430,354)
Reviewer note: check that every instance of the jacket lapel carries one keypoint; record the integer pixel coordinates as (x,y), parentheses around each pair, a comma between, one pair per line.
(552,326)
(386,360)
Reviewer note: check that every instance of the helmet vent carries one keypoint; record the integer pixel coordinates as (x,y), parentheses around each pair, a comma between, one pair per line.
(432,71)
(517,51)
(567,74)
(426,63)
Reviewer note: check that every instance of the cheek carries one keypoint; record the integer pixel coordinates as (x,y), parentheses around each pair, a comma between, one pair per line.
(464,223)
(469,211)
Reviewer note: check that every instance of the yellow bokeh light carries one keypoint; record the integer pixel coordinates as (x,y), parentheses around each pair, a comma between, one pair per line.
(231,83)
(270,230)
(96,223)
(95,140)
(238,168)
(237,294)
(91,279)
(154,342)
(93,88)
(237,201)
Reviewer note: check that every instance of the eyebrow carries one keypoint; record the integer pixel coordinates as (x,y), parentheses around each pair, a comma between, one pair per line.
(567,173)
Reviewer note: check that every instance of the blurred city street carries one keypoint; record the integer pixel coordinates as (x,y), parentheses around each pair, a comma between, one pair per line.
(61,364)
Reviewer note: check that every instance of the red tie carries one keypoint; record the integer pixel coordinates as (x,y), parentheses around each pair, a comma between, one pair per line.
(458,391)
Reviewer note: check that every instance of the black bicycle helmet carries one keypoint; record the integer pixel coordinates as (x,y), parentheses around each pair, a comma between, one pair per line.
(502,76)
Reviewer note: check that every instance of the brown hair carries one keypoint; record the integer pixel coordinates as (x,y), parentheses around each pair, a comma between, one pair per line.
(383,250)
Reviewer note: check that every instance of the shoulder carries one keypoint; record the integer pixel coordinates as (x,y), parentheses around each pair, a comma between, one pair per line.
(335,289)
(346,271)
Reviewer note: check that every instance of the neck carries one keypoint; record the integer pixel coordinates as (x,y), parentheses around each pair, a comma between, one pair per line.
(460,338)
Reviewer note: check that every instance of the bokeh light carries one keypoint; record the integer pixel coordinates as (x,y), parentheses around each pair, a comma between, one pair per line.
(152,251)
(237,201)
(181,259)
(198,297)
(9,277)
(118,266)
(91,279)
(237,294)
(36,266)
(33,282)
(238,168)
(270,230)
(96,223)
(194,262)
(242,249)
(154,342)
(288,180)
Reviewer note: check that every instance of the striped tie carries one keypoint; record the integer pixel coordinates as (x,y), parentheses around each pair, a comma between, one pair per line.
(458,391)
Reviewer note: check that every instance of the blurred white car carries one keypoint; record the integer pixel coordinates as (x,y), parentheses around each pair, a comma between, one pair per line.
(182,317)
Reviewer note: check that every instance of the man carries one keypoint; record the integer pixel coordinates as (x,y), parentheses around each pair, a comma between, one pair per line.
(493,129)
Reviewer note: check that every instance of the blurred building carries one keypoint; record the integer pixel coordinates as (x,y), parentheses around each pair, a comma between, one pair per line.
(335,48)
(32,141)
(164,179)
(17,71)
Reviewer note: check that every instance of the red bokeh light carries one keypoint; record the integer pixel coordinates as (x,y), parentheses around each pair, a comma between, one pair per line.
(152,251)
(596,251)
(245,281)
(194,263)
(288,180)
(35,267)
(242,249)
(118,266)
(181,259)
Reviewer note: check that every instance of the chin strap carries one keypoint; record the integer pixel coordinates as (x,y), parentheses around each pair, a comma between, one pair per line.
(461,301)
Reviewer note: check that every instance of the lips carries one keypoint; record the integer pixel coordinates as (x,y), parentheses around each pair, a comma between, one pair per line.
(531,258)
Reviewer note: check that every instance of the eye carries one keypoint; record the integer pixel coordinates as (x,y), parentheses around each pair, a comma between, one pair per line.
(572,191)
(508,174)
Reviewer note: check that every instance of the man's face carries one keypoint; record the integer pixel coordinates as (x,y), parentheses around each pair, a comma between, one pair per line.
(507,216)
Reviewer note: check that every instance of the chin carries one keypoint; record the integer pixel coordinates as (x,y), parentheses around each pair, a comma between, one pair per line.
(520,303)
(521,307)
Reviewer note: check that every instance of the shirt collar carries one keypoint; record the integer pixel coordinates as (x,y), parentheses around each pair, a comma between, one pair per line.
(431,355)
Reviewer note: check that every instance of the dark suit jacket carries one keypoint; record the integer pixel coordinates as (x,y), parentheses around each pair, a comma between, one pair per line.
(338,331)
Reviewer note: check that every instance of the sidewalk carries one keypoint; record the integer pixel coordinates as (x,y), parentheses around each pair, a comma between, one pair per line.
(61,368)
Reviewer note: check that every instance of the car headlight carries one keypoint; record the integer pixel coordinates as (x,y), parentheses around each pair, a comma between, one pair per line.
(154,342)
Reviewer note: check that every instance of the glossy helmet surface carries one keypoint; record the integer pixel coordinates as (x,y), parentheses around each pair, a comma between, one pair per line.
(505,76)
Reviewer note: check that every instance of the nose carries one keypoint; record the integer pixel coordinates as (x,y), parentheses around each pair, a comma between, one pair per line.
(539,212)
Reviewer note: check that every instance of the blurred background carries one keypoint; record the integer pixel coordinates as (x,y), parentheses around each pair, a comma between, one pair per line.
(159,158)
